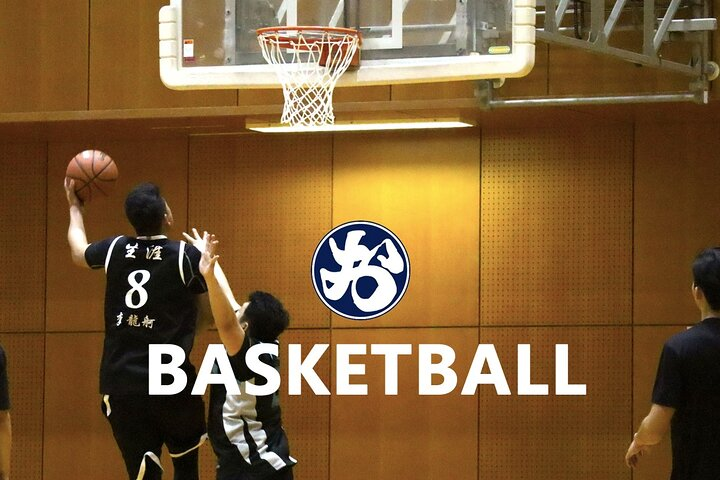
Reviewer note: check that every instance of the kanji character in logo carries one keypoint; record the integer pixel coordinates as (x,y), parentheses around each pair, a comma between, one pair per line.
(355,264)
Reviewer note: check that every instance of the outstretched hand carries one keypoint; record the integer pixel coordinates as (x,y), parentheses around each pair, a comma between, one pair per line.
(72,197)
(209,258)
(196,240)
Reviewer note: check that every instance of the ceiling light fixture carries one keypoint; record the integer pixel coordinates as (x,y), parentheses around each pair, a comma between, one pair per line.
(362,125)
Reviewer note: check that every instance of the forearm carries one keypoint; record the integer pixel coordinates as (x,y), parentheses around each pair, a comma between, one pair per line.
(224,286)
(654,426)
(647,436)
(5,443)
(221,304)
(77,237)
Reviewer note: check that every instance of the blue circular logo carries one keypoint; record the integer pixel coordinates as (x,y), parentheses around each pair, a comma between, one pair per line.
(360,270)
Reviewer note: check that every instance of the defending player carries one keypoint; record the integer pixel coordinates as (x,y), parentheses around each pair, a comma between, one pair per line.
(245,430)
(150,297)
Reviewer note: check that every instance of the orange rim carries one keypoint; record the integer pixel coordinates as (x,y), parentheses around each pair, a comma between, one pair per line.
(280,34)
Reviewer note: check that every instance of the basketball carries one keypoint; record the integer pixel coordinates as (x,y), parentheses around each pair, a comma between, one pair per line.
(94,173)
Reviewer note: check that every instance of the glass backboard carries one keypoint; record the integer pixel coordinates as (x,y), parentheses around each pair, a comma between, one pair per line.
(213,44)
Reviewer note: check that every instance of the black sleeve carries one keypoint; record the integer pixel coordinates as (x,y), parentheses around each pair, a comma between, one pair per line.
(237,361)
(196,282)
(96,253)
(4,392)
(669,386)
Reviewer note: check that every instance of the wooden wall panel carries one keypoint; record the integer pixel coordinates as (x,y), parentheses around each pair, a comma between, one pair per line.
(559,437)
(264,96)
(424,187)
(44,47)
(408,435)
(75,295)
(676,179)
(535,84)
(269,201)
(22,237)
(74,426)
(576,72)
(375,93)
(306,417)
(25,375)
(124,69)
(647,346)
(556,226)
(433,91)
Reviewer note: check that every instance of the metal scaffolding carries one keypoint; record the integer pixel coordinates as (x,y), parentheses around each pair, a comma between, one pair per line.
(590,24)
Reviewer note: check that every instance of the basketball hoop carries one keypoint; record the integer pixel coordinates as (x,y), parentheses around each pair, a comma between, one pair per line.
(309,61)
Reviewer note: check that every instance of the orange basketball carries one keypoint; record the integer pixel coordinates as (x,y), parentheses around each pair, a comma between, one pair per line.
(94,173)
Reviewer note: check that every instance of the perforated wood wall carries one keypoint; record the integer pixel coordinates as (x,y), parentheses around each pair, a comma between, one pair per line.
(22,210)
(306,417)
(123,63)
(581,235)
(25,354)
(425,189)
(556,221)
(408,435)
(676,179)
(45,47)
(559,437)
(269,203)
(74,427)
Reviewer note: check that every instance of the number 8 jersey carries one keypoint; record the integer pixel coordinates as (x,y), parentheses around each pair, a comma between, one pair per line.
(149,298)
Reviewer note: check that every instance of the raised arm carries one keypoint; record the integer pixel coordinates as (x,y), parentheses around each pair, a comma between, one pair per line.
(76,231)
(225,309)
(652,430)
(200,243)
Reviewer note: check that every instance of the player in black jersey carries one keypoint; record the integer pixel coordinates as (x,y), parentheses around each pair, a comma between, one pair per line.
(686,395)
(245,430)
(150,298)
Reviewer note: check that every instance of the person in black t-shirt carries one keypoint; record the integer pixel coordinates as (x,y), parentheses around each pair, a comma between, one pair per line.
(151,297)
(686,395)
(245,430)
(5,427)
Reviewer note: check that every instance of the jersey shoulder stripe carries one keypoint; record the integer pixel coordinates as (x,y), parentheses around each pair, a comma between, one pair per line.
(181,256)
(109,253)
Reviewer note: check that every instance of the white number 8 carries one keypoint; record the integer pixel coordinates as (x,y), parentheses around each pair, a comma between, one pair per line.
(137,286)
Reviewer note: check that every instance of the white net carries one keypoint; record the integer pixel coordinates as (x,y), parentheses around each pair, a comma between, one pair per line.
(308,63)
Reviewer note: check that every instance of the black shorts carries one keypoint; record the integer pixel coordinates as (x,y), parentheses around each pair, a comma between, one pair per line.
(141,424)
